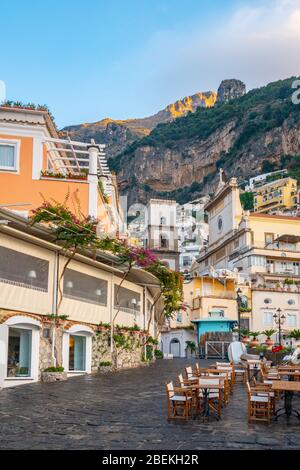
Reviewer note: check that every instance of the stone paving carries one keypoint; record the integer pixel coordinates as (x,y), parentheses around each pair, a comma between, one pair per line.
(127,410)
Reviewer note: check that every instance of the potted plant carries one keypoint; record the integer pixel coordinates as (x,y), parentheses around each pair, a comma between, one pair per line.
(54,374)
(103,326)
(254,342)
(268,334)
(105,366)
(190,345)
(158,354)
(295,334)
(245,336)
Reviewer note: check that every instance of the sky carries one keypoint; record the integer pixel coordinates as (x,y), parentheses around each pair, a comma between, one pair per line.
(92,59)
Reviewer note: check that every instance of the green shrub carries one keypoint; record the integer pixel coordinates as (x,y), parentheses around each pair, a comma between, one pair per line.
(105,364)
(54,369)
(158,354)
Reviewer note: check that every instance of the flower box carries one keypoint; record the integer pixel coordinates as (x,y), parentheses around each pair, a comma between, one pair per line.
(49,377)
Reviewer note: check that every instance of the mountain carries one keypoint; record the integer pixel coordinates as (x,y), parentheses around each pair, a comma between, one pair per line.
(243,133)
(118,134)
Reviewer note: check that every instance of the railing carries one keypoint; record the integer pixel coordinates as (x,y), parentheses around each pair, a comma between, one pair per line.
(127,310)
(216,349)
(215,295)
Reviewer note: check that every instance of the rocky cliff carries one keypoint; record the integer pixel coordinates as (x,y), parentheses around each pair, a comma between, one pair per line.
(243,135)
(230,90)
(118,134)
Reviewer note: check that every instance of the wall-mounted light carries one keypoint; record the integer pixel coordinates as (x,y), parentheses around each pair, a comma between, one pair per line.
(69,285)
(32,274)
(98,292)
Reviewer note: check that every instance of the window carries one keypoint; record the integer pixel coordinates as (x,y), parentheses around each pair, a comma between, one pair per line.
(163,221)
(19,352)
(179,317)
(291,319)
(186,261)
(77,353)
(83,287)
(23,270)
(268,301)
(258,261)
(8,155)
(128,300)
(268,318)
(164,243)
(269,238)
(291,302)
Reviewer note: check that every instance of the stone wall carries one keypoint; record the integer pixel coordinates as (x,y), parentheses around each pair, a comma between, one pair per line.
(125,356)
(46,341)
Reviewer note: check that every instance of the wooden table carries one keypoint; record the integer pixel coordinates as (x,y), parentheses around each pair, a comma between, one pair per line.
(288,387)
(205,410)
(290,373)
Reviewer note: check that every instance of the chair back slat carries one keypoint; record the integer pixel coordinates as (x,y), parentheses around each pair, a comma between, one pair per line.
(170,389)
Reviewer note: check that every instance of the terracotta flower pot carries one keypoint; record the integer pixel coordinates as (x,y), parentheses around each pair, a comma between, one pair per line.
(254,343)
(269,343)
(245,340)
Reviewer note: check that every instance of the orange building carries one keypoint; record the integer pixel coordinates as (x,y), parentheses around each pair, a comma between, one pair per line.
(35,165)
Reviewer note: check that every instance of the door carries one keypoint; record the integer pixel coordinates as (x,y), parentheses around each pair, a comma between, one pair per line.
(175,347)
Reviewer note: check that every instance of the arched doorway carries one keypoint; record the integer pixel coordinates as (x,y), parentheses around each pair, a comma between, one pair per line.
(175,347)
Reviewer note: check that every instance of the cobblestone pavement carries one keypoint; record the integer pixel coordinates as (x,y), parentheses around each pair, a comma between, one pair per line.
(127,410)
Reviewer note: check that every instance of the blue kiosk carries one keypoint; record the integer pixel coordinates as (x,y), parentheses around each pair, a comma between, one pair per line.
(216,322)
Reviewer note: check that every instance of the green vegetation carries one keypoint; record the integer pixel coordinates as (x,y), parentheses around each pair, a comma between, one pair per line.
(105,364)
(54,369)
(247,201)
(269,333)
(191,345)
(295,334)
(101,189)
(249,117)
(158,354)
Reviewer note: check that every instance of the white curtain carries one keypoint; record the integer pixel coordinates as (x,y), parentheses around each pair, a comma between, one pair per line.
(7,156)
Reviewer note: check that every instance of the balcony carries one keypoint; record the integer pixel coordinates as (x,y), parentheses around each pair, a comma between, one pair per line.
(71,160)
(197,301)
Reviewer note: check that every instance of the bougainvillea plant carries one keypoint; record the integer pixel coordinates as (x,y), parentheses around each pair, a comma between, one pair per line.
(79,233)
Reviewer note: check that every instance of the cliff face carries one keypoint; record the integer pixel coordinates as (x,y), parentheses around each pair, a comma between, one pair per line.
(230,90)
(117,134)
(181,159)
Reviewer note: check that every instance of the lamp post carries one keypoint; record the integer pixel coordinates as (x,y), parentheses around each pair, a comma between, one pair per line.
(239,303)
(279,318)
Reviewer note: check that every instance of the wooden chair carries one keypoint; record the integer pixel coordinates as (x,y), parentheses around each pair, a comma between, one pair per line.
(190,374)
(226,367)
(259,406)
(225,381)
(179,402)
(254,368)
(200,370)
(186,385)
(240,373)
(265,390)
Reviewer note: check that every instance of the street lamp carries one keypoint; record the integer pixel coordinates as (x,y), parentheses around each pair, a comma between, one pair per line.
(279,318)
(239,303)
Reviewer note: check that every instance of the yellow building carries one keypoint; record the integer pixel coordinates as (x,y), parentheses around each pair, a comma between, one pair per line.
(276,195)
(214,298)
(262,251)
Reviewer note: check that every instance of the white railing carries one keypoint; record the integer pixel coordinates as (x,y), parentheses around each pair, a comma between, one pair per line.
(67,156)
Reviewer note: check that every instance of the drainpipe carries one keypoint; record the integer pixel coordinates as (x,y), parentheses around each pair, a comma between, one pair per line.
(54,307)
(111,313)
(145,307)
